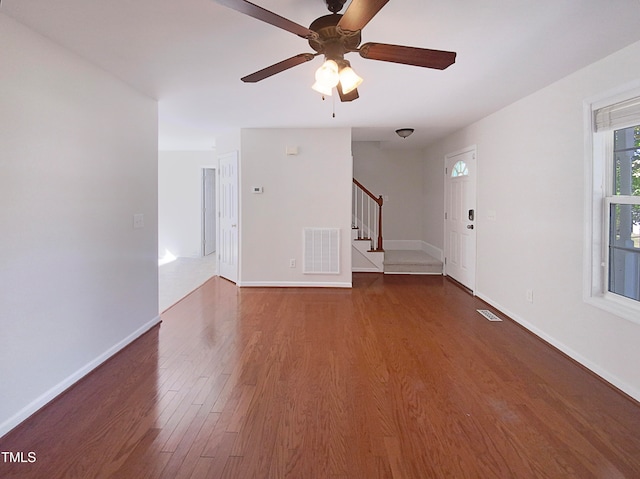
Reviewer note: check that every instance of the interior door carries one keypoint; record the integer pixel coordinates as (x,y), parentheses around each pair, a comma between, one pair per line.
(208,211)
(228,213)
(460,217)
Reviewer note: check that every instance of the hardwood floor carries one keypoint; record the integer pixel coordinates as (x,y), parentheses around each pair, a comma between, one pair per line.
(399,377)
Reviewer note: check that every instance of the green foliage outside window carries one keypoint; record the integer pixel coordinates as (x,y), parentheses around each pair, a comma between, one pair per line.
(627,164)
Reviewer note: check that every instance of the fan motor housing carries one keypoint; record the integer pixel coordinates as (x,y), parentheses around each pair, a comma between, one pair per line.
(331,40)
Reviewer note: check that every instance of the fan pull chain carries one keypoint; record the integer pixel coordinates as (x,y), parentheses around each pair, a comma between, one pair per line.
(333,100)
(333,105)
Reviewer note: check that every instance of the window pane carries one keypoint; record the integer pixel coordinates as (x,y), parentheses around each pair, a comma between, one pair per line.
(624,250)
(626,148)
(459,169)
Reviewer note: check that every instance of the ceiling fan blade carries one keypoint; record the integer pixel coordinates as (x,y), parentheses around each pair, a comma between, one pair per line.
(265,15)
(352,95)
(420,57)
(359,13)
(278,67)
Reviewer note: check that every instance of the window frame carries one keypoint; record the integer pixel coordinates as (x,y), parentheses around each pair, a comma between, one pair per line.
(598,198)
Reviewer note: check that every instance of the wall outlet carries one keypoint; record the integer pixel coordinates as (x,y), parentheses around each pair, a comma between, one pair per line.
(529,295)
(292,263)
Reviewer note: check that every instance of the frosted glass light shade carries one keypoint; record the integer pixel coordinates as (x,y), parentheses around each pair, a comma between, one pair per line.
(322,88)
(404,132)
(349,80)
(327,74)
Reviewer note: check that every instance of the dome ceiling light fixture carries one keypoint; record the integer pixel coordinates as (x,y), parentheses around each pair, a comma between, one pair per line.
(404,132)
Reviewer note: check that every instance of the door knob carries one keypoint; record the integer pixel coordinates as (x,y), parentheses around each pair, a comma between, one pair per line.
(469,227)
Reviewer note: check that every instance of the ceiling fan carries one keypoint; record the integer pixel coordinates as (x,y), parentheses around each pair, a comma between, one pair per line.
(335,35)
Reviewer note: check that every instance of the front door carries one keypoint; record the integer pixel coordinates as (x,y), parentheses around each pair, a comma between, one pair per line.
(228,211)
(460,217)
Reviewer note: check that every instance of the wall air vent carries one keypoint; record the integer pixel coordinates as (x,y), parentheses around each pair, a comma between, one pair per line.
(321,251)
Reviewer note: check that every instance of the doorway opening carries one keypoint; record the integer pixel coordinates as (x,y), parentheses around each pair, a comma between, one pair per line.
(209,228)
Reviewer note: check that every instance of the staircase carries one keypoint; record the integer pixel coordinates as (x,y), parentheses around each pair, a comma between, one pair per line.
(411,262)
(368,254)
(366,231)
(363,257)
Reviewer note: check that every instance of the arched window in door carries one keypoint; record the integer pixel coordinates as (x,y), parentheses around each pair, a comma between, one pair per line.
(459,169)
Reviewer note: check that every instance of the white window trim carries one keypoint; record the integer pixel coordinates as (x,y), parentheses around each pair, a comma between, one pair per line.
(596,228)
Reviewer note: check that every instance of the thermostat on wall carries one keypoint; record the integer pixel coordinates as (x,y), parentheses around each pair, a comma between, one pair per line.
(257,189)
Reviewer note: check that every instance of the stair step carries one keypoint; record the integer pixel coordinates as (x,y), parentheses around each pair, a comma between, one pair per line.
(411,261)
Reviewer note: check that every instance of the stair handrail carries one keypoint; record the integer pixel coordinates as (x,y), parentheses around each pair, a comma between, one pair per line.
(379,201)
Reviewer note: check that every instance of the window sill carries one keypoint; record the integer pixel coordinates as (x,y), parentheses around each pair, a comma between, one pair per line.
(624,308)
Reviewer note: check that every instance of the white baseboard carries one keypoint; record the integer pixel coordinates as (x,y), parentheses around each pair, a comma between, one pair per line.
(292,284)
(433,251)
(59,388)
(413,273)
(358,269)
(607,376)
(403,244)
(414,245)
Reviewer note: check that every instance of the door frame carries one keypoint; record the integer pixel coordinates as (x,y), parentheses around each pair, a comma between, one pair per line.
(446,250)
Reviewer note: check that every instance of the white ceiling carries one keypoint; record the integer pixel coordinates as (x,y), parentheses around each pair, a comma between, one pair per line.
(190,55)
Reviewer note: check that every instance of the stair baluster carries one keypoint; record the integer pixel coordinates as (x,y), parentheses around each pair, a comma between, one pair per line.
(369,224)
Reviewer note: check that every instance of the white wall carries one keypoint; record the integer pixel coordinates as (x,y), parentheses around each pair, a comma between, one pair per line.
(78,158)
(180,201)
(311,189)
(531,164)
(228,142)
(433,200)
(397,175)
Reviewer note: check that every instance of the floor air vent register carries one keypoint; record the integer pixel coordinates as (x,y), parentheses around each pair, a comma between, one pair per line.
(488,314)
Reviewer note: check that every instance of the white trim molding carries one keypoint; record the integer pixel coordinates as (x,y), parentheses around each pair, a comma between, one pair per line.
(292,284)
(405,245)
(65,384)
(590,365)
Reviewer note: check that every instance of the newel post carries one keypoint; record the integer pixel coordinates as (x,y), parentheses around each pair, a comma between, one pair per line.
(380,201)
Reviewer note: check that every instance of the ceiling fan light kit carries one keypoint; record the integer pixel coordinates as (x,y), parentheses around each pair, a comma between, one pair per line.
(327,75)
(331,75)
(404,132)
(334,36)
(322,88)
(349,80)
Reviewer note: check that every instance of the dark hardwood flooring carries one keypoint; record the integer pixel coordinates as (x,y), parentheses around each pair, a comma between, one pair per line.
(399,377)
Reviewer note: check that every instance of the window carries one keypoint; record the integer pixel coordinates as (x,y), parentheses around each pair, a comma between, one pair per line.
(459,169)
(623,206)
(614,240)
